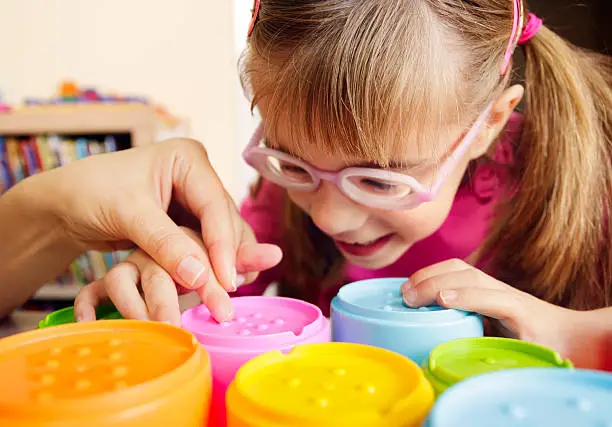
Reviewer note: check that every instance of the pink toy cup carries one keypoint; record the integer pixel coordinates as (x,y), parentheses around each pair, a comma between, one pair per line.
(260,324)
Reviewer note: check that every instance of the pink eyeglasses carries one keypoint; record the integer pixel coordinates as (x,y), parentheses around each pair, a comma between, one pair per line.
(376,188)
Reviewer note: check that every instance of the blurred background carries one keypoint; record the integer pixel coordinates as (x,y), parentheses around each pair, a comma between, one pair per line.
(81,77)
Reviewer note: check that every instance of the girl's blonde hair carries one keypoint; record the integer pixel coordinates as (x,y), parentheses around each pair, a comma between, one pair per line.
(357,78)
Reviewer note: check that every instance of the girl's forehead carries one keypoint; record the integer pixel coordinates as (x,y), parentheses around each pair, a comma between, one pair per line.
(407,129)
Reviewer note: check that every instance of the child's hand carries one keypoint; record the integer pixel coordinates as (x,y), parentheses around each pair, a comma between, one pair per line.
(121,285)
(456,284)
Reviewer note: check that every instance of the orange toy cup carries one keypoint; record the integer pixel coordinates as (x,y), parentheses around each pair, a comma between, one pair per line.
(115,373)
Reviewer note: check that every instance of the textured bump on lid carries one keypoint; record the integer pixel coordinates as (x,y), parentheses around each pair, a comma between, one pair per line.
(257,322)
(539,397)
(332,384)
(382,299)
(72,363)
(456,360)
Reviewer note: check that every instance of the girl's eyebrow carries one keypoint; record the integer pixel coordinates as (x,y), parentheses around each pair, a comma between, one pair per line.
(368,164)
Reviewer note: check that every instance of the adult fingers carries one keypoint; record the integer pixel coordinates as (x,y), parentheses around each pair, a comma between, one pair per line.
(198,188)
(213,295)
(217,301)
(154,232)
(159,290)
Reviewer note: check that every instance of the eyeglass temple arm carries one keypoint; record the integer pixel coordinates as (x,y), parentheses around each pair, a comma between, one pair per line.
(255,140)
(451,162)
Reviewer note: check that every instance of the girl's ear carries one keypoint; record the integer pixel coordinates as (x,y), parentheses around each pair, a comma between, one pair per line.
(498,117)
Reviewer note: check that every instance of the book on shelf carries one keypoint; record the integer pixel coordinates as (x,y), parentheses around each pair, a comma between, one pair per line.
(21,157)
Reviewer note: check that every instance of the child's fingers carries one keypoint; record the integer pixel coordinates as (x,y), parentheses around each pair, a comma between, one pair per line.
(444,267)
(86,301)
(159,290)
(255,257)
(495,303)
(426,291)
(121,284)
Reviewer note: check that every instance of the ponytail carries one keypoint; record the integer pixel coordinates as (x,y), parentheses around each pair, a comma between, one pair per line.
(555,241)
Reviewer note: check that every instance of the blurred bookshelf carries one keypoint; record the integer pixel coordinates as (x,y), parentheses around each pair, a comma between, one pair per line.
(36,138)
(139,121)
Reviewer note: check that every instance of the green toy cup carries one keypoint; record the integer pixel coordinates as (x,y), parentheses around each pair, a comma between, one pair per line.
(66,315)
(457,360)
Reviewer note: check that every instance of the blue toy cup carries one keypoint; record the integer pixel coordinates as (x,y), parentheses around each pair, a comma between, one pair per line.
(372,312)
(540,397)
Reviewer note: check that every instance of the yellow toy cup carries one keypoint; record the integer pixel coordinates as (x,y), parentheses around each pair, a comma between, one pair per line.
(329,385)
(115,373)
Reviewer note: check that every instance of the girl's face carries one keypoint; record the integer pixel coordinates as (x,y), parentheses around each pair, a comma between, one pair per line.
(368,237)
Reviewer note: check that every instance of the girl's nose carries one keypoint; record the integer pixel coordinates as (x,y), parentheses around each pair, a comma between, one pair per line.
(334,213)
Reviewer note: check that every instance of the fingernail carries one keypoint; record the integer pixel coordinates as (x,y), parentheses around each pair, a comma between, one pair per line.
(240,279)
(224,312)
(448,296)
(406,286)
(190,270)
(234,280)
(410,297)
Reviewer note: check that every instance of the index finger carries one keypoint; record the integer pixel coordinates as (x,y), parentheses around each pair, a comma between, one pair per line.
(198,188)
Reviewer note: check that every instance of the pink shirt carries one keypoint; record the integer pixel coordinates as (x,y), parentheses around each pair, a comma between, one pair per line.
(463,232)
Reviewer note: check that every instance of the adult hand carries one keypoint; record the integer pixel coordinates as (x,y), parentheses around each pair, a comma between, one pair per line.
(160,295)
(456,284)
(121,199)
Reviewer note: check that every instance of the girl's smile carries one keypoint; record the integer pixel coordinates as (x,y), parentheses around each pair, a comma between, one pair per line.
(364,249)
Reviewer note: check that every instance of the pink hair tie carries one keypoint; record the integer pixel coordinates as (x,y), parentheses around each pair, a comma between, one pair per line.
(519,35)
(531,29)
(255,15)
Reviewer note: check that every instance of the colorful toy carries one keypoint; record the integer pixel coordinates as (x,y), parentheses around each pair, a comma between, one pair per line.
(69,91)
(117,373)
(332,384)
(90,94)
(372,312)
(260,325)
(539,397)
(455,361)
(66,315)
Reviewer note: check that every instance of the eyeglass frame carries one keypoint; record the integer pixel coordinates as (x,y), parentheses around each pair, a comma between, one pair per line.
(420,194)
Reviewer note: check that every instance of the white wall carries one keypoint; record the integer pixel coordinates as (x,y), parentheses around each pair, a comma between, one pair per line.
(245,121)
(181,54)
